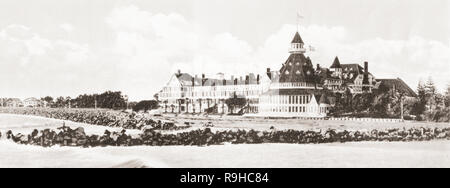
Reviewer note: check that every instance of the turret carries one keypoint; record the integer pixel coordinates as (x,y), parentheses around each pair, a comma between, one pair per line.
(297,45)
(336,67)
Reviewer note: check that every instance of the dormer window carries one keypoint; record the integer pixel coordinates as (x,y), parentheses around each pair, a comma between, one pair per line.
(290,63)
(298,72)
(287,72)
(298,64)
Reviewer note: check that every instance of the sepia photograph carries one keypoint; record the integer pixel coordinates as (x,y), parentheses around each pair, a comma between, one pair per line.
(224,84)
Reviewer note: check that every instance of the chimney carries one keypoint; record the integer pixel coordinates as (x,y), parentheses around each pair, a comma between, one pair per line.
(247,80)
(193,82)
(179,72)
(224,82)
(203,80)
(257,79)
(366,67)
(318,66)
(235,81)
(366,73)
(269,74)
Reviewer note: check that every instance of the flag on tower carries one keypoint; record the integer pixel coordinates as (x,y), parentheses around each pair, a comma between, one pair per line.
(299,16)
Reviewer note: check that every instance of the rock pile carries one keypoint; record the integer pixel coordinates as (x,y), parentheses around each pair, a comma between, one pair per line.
(66,136)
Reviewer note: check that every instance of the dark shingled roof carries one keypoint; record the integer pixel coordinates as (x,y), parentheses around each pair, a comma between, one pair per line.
(354,69)
(336,63)
(186,80)
(297,39)
(399,85)
(297,68)
(292,92)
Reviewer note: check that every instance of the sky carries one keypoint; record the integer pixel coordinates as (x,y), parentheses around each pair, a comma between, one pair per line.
(71,47)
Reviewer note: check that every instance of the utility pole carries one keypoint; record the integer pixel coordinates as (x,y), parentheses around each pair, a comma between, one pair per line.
(401,106)
(126,100)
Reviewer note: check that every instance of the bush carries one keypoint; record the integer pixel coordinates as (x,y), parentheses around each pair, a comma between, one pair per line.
(145,106)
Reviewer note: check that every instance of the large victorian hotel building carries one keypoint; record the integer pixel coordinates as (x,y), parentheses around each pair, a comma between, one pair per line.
(298,89)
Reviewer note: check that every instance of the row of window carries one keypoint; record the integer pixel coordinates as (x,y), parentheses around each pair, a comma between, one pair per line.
(287,99)
(210,94)
(296,109)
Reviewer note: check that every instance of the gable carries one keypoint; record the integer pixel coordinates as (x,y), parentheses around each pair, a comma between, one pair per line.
(174,82)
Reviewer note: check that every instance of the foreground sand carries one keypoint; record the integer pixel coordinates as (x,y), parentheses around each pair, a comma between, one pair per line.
(363,154)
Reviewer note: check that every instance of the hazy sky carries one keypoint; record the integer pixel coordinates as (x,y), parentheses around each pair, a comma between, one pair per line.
(71,47)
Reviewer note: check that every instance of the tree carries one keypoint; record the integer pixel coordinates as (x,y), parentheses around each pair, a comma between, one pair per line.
(48,100)
(419,106)
(145,105)
(60,102)
(235,102)
(430,93)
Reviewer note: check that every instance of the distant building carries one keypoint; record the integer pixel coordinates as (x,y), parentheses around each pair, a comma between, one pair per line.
(298,89)
(14,102)
(187,94)
(397,85)
(32,102)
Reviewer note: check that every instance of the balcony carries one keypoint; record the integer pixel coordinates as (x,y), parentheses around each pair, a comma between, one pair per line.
(294,85)
(297,50)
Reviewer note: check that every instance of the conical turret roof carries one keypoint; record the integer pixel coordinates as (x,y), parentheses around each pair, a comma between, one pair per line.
(297,39)
(336,63)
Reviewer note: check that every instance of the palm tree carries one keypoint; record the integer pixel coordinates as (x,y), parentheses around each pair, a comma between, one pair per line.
(165,106)
(187,105)
(223,106)
(200,103)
